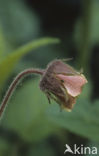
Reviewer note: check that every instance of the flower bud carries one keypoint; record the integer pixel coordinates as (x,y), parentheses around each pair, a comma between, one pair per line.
(62,83)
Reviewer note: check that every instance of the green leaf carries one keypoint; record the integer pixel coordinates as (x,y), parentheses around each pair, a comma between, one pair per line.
(43,149)
(7,64)
(2,44)
(17,12)
(5,147)
(83,120)
(26,115)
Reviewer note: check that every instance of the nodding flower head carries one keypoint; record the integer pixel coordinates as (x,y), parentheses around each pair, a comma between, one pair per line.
(62,83)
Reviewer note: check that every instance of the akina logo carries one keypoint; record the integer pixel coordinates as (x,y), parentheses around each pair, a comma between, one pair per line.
(80,149)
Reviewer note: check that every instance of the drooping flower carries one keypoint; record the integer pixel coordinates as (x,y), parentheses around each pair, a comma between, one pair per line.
(62,83)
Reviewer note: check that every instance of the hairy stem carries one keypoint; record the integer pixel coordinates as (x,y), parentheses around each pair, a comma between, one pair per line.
(14,84)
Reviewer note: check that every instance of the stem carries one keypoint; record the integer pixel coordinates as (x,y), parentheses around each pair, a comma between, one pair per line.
(13,85)
(85,47)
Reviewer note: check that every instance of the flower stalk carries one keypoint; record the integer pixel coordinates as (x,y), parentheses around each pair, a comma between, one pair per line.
(14,84)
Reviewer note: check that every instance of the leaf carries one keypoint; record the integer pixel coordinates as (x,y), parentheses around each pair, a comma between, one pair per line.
(2,44)
(5,147)
(17,12)
(87,90)
(83,120)
(43,149)
(7,64)
(26,115)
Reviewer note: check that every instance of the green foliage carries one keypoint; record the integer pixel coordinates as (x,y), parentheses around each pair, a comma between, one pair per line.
(93,25)
(83,120)
(5,148)
(86,34)
(42,149)
(33,124)
(26,113)
(8,63)
(29,115)
(94,37)
(19,23)
(2,44)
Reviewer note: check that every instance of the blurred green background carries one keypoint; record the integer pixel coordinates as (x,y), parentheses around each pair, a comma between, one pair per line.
(32,33)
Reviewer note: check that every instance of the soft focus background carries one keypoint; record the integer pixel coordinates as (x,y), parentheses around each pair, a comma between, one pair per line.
(30,126)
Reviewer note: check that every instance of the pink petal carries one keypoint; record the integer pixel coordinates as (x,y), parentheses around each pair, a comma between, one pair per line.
(73,84)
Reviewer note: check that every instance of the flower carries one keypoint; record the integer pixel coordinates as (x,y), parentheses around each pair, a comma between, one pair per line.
(62,83)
